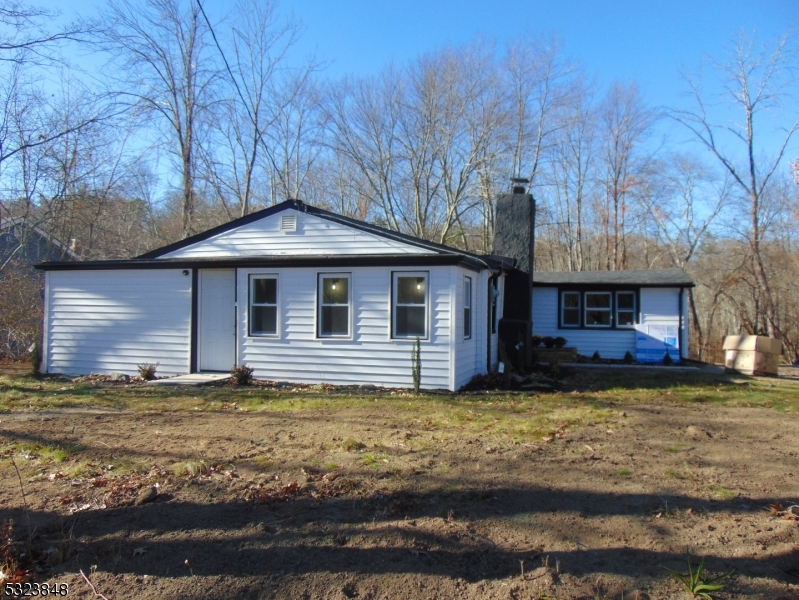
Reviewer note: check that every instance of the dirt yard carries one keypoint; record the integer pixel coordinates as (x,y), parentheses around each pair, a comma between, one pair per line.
(589,492)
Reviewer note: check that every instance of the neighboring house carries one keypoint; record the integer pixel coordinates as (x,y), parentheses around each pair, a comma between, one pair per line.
(22,244)
(295,292)
(615,312)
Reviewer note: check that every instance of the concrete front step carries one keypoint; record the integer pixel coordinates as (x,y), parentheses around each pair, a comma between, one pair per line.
(192,379)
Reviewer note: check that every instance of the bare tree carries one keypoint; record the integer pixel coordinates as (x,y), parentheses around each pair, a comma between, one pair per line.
(167,72)
(683,201)
(269,127)
(571,173)
(363,120)
(26,39)
(755,81)
(625,124)
(538,77)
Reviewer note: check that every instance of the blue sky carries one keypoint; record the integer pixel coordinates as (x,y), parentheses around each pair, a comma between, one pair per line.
(650,42)
(643,40)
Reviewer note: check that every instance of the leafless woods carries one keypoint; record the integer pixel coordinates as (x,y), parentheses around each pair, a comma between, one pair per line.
(181,119)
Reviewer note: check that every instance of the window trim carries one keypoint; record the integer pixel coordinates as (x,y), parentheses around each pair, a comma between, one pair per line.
(467,281)
(393,302)
(608,310)
(319,289)
(613,290)
(634,310)
(562,324)
(251,304)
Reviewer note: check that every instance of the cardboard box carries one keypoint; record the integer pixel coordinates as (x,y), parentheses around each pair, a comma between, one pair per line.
(752,354)
(757,343)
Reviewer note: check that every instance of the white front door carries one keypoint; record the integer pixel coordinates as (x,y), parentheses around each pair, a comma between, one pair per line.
(217,320)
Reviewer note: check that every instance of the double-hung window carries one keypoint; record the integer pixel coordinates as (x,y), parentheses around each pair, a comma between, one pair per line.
(625,309)
(570,309)
(409,305)
(598,309)
(263,305)
(334,304)
(467,308)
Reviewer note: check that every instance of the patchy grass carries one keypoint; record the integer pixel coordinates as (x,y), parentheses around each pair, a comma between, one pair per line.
(190,468)
(588,397)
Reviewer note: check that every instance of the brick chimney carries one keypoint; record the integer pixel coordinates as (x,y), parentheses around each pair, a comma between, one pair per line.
(514,237)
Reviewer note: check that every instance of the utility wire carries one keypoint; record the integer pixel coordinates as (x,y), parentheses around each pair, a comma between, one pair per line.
(258,137)
(227,66)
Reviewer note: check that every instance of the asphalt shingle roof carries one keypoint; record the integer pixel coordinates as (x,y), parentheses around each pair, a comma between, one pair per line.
(642,277)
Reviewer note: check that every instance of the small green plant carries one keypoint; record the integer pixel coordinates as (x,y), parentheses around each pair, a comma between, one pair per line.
(147,371)
(596,356)
(536,341)
(416,365)
(667,359)
(559,342)
(696,581)
(628,358)
(241,374)
(624,472)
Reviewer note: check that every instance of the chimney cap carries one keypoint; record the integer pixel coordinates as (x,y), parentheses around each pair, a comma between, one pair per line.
(519,185)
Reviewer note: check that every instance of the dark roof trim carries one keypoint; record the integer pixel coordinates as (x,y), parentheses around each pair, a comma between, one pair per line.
(606,279)
(360,260)
(300,206)
(610,287)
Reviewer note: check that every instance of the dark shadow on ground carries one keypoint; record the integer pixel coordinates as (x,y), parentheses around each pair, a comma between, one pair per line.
(371,535)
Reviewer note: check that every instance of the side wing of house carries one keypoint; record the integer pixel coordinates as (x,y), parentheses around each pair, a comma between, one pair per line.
(104,321)
(596,319)
(548,321)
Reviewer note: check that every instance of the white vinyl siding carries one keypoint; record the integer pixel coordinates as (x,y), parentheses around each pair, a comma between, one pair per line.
(112,321)
(470,353)
(313,236)
(660,306)
(369,355)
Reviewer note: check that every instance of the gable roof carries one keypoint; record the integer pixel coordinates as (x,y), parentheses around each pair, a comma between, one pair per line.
(6,229)
(171,250)
(640,277)
(254,240)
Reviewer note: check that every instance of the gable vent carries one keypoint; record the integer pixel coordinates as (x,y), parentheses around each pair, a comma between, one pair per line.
(288,223)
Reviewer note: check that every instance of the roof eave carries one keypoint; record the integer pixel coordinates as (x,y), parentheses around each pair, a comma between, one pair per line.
(465,261)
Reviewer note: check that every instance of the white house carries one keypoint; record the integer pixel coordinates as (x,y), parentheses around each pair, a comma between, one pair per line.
(614,312)
(298,293)
(305,295)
